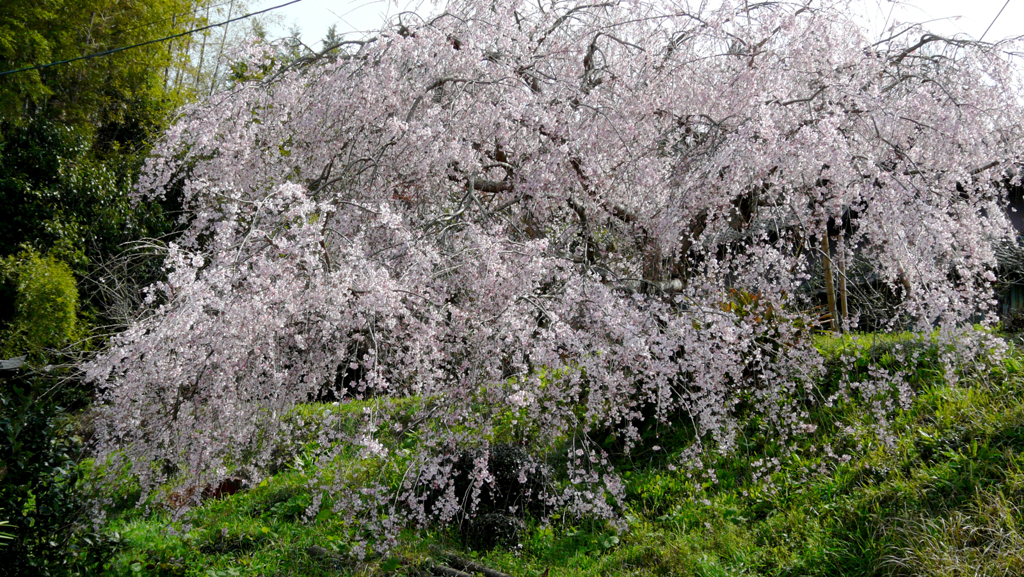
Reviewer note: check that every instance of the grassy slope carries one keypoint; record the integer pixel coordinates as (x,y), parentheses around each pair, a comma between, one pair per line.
(942,496)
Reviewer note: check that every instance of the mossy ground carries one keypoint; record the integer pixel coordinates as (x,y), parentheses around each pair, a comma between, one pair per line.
(940,492)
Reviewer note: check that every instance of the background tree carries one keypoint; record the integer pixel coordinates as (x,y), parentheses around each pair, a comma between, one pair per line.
(72,136)
(72,140)
(206,68)
(589,216)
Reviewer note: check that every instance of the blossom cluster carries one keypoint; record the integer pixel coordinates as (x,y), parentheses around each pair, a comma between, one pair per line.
(541,210)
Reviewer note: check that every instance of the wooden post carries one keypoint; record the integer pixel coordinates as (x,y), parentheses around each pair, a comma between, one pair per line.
(843,310)
(830,289)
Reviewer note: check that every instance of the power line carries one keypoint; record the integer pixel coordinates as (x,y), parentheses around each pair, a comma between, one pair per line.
(993,21)
(148,42)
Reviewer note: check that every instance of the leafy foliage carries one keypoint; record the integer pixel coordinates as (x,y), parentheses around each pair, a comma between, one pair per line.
(95,91)
(72,136)
(46,306)
(4,535)
(72,139)
(37,492)
(68,200)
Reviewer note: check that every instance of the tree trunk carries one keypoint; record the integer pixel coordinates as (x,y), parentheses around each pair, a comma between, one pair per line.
(220,51)
(197,84)
(829,286)
(843,309)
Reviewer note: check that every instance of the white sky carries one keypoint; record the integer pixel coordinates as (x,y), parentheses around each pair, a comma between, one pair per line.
(946,17)
(314,17)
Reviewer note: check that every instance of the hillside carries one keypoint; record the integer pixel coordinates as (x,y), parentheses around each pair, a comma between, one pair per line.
(939,492)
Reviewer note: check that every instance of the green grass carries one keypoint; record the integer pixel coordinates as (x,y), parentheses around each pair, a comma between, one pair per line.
(940,494)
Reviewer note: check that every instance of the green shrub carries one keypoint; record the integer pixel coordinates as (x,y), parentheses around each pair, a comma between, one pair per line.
(37,492)
(45,311)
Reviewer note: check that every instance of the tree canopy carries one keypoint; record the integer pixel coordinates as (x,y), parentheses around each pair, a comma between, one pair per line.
(586,216)
(96,90)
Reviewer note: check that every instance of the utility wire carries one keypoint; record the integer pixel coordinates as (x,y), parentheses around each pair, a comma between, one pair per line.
(148,42)
(994,21)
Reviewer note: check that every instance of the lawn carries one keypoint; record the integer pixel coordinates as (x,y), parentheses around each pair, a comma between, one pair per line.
(937,491)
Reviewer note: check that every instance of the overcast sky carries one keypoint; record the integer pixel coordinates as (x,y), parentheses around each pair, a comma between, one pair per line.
(314,17)
(947,17)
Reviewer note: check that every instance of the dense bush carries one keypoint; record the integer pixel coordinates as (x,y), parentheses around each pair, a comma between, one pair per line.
(38,476)
(45,305)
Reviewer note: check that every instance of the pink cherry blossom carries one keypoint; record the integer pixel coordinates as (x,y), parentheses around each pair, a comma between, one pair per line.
(515,207)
